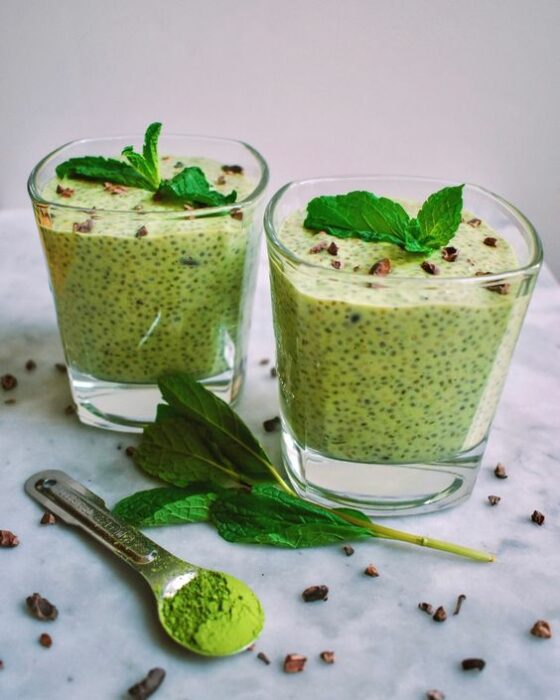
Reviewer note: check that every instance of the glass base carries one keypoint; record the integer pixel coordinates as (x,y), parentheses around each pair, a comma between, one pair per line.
(130,407)
(381,489)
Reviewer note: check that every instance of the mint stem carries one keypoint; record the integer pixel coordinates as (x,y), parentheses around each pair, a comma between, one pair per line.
(390,533)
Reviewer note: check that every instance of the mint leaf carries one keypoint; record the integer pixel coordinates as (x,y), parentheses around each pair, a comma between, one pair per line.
(191,185)
(146,164)
(359,215)
(168,505)
(178,453)
(368,217)
(102,170)
(212,418)
(270,516)
(440,217)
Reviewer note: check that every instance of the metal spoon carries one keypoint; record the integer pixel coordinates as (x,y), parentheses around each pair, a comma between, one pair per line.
(76,505)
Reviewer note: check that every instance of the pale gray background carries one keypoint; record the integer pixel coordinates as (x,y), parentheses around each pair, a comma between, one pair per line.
(461,90)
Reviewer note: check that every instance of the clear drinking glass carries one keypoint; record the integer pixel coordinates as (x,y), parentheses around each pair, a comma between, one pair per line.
(131,307)
(388,390)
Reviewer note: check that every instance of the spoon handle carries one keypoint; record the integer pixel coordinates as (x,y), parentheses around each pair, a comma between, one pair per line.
(76,505)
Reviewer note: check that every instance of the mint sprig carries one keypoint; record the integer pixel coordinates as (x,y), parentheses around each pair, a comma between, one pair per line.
(189,186)
(198,437)
(366,216)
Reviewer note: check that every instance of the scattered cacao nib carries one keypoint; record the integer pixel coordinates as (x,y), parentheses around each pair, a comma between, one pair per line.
(494,500)
(232,169)
(537,517)
(8,382)
(337,264)
(264,361)
(273,372)
(430,268)
(48,519)
(318,247)
(541,629)
(114,189)
(473,664)
(371,570)
(426,607)
(490,241)
(236,214)
(294,663)
(348,550)
(435,695)
(148,685)
(142,231)
(440,615)
(130,450)
(475,223)
(313,593)
(64,191)
(220,180)
(381,268)
(272,425)
(460,599)
(500,471)
(449,254)
(30,365)
(327,657)
(263,657)
(41,608)
(332,249)
(61,367)
(82,227)
(71,409)
(8,539)
(45,640)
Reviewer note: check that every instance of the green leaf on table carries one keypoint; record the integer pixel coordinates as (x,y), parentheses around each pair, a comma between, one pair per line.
(167,505)
(102,170)
(217,424)
(191,186)
(176,451)
(366,216)
(267,515)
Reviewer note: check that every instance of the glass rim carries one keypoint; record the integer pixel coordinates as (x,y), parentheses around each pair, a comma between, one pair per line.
(253,196)
(349,276)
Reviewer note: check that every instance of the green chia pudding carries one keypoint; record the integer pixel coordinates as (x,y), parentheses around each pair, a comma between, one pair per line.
(377,371)
(145,287)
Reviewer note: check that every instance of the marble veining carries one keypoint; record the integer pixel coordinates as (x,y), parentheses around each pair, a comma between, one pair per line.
(107,636)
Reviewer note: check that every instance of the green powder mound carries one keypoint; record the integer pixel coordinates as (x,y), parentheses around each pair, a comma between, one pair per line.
(214,614)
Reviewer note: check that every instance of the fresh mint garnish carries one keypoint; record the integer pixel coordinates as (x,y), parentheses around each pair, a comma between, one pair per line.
(199,438)
(191,185)
(147,163)
(101,170)
(168,505)
(142,170)
(366,216)
(267,515)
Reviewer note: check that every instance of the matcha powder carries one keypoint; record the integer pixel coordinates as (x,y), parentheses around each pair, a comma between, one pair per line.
(214,614)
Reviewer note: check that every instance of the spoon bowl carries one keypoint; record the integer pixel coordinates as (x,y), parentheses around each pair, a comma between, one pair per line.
(208,612)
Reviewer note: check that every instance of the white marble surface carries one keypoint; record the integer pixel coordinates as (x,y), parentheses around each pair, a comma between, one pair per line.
(107,636)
